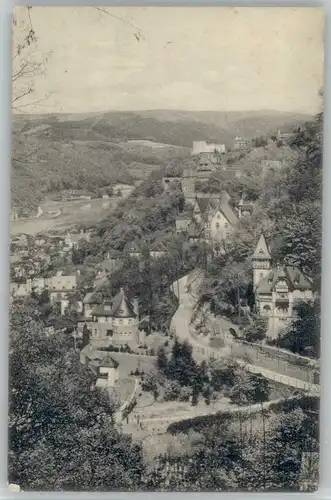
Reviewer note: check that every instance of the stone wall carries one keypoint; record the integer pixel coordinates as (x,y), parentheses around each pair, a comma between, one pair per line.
(275,361)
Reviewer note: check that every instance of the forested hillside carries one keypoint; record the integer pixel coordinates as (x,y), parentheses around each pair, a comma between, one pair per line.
(57,152)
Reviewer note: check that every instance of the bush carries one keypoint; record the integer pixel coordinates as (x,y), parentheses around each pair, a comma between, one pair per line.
(149,383)
(171,390)
(185,393)
(257,331)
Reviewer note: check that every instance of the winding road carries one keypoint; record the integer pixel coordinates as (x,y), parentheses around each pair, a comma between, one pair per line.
(145,426)
(181,326)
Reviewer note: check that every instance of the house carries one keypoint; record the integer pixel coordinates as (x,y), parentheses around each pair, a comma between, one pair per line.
(105,367)
(277,289)
(113,322)
(202,147)
(90,302)
(220,221)
(182,222)
(72,239)
(284,139)
(217,216)
(196,231)
(60,290)
(133,249)
(208,162)
(212,219)
(199,170)
(244,207)
(240,143)
(59,286)
(157,250)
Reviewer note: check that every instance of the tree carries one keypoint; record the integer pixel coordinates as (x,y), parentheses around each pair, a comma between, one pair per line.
(162,360)
(249,389)
(303,335)
(25,66)
(195,396)
(256,331)
(181,366)
(171,390)
(61,433)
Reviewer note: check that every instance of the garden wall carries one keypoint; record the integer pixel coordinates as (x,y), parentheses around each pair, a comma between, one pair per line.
(277,361)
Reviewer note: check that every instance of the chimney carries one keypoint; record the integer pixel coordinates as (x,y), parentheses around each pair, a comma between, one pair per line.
(136,306)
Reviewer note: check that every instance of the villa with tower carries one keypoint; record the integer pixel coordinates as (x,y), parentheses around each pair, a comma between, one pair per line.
(114,322)
(277,288)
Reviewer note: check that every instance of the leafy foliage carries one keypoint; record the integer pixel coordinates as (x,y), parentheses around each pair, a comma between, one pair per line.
(303,335)
(62,435)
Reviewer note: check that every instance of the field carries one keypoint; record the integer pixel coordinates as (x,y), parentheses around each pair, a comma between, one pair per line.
(59,215)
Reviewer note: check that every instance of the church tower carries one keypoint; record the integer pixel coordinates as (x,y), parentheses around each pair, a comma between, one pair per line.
(261,261)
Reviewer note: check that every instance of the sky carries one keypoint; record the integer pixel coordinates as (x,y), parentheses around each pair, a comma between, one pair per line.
(177,58)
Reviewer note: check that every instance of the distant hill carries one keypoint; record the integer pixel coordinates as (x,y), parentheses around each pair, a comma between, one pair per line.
(57,152)
(179,128)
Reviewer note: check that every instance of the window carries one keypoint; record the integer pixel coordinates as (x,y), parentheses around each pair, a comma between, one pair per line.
(217,225)
(95,333)
(130,321)
(226,225)
(121,322)
(109,333)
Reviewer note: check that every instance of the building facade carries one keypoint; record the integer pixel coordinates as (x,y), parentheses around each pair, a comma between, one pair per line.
(212,220)
(277,289)
(203,147)
(240,143)
(113,322)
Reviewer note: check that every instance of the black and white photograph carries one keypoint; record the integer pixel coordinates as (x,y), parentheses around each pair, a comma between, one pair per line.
(165,249)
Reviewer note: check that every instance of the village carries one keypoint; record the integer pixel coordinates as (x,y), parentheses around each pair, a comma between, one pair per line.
(116,341)
(165,252)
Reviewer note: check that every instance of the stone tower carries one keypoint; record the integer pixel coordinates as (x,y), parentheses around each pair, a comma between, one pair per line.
(261,261)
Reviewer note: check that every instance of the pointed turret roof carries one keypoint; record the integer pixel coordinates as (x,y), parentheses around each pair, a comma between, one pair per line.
(122,307)
(261,250)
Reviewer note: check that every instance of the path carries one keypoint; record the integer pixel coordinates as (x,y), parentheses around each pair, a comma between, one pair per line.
(180,324)
(144,424)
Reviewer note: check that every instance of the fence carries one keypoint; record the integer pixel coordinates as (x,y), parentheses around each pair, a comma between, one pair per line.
(275,362)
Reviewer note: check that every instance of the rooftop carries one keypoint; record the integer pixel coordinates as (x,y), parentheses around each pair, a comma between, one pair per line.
(261,251)
(122,307)
(291,274)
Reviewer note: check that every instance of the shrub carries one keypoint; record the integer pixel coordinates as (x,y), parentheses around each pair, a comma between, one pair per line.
(185,393)
(171,390)
(256,332)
